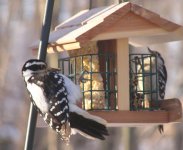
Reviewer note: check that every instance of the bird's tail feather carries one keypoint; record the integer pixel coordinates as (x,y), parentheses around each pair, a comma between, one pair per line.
(86,124)
(88,127)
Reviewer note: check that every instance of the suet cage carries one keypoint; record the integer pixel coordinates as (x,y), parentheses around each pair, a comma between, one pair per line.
(143,81)
(99,87)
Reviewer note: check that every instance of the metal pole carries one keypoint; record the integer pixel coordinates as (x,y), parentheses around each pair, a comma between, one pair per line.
(90,4)
(29,141)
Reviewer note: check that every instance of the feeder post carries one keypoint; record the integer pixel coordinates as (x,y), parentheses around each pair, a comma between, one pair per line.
(29,141)
(123,73)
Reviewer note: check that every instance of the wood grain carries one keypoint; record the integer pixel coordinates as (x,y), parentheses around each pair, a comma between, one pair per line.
(172,112)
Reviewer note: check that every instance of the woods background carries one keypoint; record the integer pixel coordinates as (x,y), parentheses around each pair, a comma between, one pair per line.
(20,25)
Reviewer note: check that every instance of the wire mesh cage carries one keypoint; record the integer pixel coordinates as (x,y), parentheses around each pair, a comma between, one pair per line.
(98,73)
(143,81)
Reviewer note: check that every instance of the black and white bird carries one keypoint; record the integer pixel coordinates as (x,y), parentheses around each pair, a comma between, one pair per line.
(162,78)
(55,96)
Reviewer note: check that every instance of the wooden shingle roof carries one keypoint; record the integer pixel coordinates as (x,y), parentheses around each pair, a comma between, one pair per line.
(140,25)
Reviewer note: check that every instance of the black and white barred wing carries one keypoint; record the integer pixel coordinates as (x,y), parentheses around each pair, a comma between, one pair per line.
(57,97)
(162,79)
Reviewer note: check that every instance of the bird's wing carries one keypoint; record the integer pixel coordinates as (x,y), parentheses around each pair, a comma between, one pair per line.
(56,94)
(162,77)
(73,90)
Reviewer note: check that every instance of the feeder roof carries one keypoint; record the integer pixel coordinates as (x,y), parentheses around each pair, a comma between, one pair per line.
(124,20)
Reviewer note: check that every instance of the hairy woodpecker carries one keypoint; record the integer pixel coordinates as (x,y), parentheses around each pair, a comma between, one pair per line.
(162,78)
(55,97)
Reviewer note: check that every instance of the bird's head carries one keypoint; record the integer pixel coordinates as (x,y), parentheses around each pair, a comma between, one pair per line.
(33,66)
(157,54)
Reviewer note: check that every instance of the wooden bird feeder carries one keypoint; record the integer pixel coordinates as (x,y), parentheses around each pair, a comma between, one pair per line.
(97,41)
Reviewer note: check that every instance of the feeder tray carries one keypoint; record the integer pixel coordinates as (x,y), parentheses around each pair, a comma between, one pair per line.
(171,111)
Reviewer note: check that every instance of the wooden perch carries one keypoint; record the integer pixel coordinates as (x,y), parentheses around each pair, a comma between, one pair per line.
(173,106)
(171,111)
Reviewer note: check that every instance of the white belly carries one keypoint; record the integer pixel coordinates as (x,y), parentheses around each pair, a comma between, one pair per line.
(38,97)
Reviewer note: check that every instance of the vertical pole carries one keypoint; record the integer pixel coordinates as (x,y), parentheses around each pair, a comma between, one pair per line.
(90,4)
(126,137)
(83,87)
(45,29)
(108,77)
(29,141)
(123,74)
(91,81)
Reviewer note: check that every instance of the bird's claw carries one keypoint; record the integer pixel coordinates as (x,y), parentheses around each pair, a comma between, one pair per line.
(161,129)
